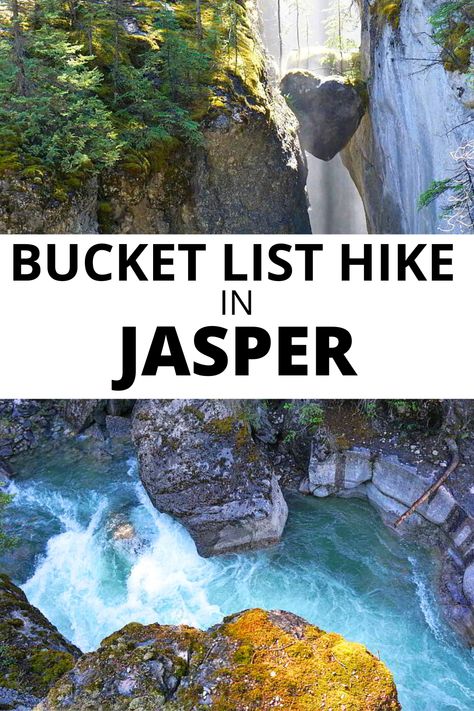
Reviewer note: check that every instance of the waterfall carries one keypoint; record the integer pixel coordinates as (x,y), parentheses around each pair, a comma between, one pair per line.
(335,204)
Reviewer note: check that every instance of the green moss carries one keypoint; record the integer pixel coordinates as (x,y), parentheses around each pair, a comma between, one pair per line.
(105,215)
(453,32)
(195,411)
(9,162)
(317,670)
(388,10)
(223,426)
(49,665)
(457,48)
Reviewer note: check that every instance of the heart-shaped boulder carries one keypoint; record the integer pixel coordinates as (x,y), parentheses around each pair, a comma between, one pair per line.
(328,109)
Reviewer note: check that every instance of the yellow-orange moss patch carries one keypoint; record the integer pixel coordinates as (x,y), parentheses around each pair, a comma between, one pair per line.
(304,671)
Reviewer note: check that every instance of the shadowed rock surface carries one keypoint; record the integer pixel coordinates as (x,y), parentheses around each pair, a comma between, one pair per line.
(199,463)
(33,654)
(254,660)
(329,111)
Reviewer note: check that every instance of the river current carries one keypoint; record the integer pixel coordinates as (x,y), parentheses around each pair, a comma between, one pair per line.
(94,555)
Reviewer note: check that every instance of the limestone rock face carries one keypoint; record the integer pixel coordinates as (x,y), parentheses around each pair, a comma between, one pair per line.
(468,583)
(392,486)
(29,208)
(33,654)
(80,414)
(418,114)
(24,424)
(328,110)
(199,463)
(254,660)
(248,176)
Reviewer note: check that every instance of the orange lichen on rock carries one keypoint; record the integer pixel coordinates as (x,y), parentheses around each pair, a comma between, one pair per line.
(283,662)
(253,661)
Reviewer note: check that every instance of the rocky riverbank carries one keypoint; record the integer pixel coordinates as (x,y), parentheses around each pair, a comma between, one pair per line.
(33,654)
(252,660)
(222,467)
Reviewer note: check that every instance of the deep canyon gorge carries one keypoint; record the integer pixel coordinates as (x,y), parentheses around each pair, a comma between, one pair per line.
(150,514)
(409,133)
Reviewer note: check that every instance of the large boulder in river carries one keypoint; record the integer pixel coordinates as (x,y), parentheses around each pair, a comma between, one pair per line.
(33,654)
(329,111)
(254,660)
(199,463)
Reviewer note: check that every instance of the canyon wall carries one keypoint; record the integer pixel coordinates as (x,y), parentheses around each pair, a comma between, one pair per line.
(245,174)
(418,114)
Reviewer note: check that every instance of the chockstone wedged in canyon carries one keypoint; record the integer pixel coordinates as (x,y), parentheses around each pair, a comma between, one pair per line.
(247,172)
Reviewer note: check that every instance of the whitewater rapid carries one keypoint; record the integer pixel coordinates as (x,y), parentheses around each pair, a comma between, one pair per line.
(96,555)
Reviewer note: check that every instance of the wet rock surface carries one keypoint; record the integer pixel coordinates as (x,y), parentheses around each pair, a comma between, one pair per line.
(328,110)
(199,463)
(418,115)
(254,660)
(392,486)
(23,425)
(33,654)
(219,468)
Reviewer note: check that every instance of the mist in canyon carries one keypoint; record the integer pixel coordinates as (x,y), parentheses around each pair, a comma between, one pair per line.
(335,204)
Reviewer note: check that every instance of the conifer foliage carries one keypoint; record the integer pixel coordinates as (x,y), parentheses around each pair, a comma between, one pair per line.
(85,84)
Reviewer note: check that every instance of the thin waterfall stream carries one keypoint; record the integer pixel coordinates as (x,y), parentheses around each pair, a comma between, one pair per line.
(95,555)
(335,204)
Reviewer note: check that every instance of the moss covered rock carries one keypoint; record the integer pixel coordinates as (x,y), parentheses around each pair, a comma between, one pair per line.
(199,463)
(33,654)
(244,171)
(253,661)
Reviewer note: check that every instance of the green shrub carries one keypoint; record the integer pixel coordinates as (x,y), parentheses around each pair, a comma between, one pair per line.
(453,31)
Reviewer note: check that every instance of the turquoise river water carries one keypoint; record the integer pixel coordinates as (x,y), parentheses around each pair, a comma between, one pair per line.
(94,555)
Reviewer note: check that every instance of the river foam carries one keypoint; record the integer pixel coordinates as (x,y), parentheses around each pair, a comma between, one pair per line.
(99,556)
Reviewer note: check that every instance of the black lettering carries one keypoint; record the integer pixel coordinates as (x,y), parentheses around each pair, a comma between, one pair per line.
(280,262)
(438,261)
(325,352)
(348,261)
(406,262)
(192,250)
(29,260)
(159,261)
(287,349)
(129,359)
(229,265)
(218,356)
(155,358)
(89,262)
(309,250)
(130,261)
(243,352)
